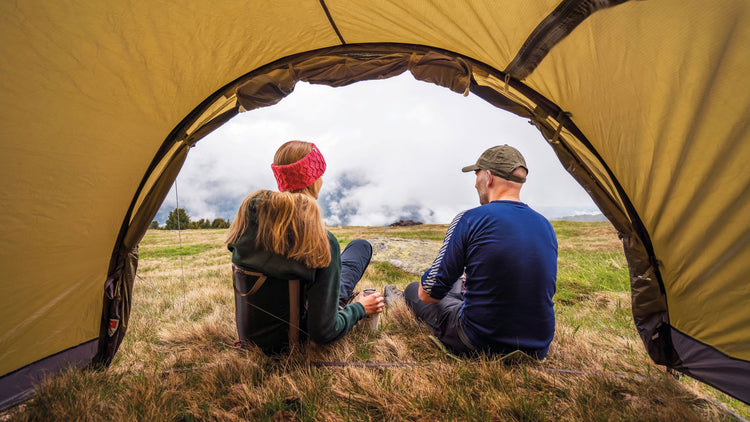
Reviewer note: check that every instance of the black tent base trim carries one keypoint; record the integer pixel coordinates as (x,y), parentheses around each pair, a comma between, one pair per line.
(712,367)
(18,386)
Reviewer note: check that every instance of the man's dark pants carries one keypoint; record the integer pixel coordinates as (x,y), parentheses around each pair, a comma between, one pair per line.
(443,318)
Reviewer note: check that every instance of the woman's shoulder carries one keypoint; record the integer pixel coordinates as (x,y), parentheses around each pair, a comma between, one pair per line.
(334,242)
(257,200)
(259,197)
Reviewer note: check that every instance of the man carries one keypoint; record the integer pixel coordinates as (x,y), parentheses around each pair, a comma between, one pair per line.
(490,288)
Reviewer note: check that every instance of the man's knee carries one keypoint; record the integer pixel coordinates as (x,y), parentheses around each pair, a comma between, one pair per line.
(411,293)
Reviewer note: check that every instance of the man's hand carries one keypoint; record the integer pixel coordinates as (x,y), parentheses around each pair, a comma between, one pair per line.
(424,297)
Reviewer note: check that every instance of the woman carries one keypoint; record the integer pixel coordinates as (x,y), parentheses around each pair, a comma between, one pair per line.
(281,236)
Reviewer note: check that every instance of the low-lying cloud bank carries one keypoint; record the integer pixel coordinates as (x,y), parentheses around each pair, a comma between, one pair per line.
(394,150)
(352,199)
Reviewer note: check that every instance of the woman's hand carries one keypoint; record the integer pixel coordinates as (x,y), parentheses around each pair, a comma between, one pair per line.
(373,303)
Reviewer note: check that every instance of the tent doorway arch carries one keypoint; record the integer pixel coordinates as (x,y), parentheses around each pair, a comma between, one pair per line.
(352,63)
(344,65)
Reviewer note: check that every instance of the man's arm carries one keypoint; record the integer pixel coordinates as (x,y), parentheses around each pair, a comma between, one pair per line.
(424,297)
(437,281)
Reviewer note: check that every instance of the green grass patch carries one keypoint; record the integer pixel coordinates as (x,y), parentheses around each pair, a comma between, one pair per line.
(382,273)
(437,235)
(565,229)
(174,251)
(593,270)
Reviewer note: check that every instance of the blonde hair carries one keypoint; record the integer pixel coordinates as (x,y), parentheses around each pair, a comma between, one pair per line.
(289,223)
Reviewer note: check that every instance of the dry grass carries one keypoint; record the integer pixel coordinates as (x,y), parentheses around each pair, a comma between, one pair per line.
(179,362)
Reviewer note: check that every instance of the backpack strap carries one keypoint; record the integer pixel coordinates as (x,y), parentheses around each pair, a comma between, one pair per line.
(258,283)
(294,300)
(294,305)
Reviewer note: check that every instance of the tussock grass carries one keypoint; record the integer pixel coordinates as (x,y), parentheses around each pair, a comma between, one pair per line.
(179,362)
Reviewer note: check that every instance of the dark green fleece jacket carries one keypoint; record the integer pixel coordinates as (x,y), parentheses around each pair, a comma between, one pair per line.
(323,322)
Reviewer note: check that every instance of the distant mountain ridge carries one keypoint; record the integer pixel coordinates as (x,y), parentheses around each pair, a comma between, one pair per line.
(339,208)
(583,218)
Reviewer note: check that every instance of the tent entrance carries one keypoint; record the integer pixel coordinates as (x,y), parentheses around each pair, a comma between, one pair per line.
(344,65)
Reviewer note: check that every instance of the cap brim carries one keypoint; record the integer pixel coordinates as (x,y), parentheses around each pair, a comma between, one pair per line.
(472,167)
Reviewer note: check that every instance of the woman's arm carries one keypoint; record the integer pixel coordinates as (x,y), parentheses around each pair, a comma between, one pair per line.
(325,322)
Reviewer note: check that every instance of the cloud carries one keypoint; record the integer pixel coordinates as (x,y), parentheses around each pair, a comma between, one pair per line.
(404,142)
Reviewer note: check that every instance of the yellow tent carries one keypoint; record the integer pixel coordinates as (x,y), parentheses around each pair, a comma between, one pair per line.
(646,103)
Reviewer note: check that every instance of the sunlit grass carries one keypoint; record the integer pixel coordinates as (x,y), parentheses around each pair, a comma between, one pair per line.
(174,251)
(179,362)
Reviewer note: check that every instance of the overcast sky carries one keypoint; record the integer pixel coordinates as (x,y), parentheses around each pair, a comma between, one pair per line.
(400,143)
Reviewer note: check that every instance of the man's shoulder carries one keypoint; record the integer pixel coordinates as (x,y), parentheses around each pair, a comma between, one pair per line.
(474,215)
(512,207)
(507,212)
(492,208)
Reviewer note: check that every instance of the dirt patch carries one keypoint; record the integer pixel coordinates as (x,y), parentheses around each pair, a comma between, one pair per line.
(413,256)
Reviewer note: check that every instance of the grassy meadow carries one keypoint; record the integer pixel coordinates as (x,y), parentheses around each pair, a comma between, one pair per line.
(179,361)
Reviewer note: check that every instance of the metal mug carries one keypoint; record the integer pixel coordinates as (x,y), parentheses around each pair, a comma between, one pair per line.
(372,321)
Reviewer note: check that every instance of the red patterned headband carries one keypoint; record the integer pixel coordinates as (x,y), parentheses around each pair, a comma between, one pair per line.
(300,174)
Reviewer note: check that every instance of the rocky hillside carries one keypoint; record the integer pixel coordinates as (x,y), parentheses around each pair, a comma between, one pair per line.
(414,256)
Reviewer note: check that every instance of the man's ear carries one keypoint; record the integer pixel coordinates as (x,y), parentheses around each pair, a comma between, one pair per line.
(490,178)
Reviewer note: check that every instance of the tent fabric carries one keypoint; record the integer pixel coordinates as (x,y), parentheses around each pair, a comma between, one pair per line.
(645,104)
(18,386)
(555,26)
(334,70)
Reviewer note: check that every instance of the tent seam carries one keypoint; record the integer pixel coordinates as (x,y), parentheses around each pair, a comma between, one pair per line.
(551,30)
(330,20)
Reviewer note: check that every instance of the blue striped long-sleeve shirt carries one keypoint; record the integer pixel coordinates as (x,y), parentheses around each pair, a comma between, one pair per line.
(509,254)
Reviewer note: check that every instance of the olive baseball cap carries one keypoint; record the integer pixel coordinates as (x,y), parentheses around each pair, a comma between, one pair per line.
(502,161)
